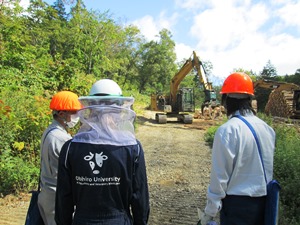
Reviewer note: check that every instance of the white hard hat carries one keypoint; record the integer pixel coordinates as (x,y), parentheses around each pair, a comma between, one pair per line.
(106,91)
(105,87)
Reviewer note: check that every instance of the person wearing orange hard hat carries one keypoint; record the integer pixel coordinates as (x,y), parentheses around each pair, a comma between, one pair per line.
(241,164)
(64,106)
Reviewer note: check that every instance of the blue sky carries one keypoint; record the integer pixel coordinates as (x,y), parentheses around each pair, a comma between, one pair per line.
(230,34)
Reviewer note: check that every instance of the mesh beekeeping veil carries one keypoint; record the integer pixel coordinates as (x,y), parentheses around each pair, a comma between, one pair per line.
(106,120)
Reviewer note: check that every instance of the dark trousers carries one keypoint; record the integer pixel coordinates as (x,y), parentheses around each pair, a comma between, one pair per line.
(242,210)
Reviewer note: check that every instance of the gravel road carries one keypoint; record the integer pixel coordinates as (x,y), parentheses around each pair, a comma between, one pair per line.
(178,165)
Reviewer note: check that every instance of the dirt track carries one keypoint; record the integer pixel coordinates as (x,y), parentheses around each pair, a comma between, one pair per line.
(178,165)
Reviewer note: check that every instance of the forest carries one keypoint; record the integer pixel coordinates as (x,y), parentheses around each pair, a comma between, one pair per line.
(44,49)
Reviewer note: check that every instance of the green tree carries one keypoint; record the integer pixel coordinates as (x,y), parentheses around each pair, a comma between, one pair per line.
(93,39)
(158,64)
(294,78)
(57,27)
(61,10)
(248,72)
(127,57)
(269,71)
(43,51)
(13,40)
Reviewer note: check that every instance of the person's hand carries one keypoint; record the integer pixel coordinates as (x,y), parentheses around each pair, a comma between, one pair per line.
(205,219)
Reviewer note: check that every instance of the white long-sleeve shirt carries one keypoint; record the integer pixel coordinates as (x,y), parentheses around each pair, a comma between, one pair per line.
(236,165)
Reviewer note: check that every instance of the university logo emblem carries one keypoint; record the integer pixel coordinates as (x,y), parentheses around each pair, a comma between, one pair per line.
(95,159)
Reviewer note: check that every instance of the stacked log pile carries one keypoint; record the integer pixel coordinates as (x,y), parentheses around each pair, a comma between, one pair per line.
(280,104)
(209,113)
(198,114)
(254,104)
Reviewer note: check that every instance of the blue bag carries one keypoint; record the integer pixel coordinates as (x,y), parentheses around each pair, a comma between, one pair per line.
(272,203)
(33,216)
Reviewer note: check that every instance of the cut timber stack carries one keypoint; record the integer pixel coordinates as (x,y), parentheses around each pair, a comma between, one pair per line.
(280,104)
(197,114)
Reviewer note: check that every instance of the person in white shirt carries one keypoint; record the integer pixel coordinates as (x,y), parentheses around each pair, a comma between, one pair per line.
(237,186)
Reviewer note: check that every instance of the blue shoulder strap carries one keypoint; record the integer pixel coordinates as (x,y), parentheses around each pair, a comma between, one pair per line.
(256,139)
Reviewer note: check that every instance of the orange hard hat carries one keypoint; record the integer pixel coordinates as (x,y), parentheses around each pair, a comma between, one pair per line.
(238,83)
(65,100)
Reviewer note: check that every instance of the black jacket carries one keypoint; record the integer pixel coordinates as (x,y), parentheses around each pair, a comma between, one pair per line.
(106,184)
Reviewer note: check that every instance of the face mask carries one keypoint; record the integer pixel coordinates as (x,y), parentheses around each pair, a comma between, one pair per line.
(73,122)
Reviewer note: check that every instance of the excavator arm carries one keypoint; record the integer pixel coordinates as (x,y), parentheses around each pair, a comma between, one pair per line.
(192,62)
(176,80)
(271,84)
(202,78)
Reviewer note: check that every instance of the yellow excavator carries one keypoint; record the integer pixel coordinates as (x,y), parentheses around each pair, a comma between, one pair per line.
(180,102)
(283,101)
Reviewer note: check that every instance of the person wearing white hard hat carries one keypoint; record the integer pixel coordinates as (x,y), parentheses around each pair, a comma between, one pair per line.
(105,87)
(102,172)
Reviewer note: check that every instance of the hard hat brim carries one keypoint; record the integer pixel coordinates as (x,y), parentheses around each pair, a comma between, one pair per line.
(239,95)
(98,100)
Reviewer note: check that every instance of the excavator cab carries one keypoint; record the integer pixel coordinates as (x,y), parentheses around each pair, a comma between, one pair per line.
(211,98)
(210,95)
(185,100)
(179,109)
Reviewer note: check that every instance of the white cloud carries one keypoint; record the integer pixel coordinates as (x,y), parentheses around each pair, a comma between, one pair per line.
(183,50)
(289,13)
(281,2)
(284,51)
(166,21)
(24,3)
(193,5)
(234,33)
(224,27)
(237,35)
(148,27)
(254,52)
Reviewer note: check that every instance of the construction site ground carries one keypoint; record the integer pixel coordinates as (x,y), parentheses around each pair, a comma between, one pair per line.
(178,168)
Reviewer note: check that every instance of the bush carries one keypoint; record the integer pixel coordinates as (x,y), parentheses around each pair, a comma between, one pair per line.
(286,171)
(24,114)
(17,175)
(209,135)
